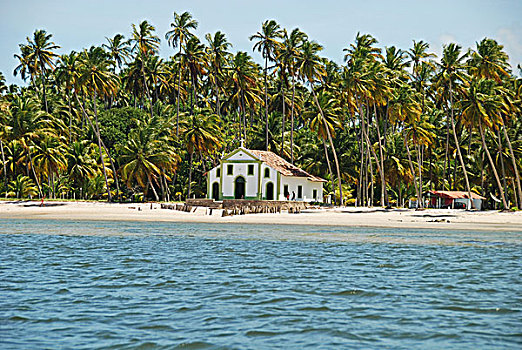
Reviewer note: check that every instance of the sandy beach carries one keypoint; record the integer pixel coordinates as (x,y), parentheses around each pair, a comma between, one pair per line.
(445,219)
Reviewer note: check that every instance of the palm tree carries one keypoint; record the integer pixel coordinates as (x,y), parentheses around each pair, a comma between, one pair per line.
(312,69)
(510,109)
(25,67)
(405,108)
(41,55)
(21,187)
(479,107)
(242,78)
(146,156)
(201,134)
(489,61)
(364,87)
(266,44)
(146,44)
(450,74)
(288,53)
(179,35)
(418,53)
(98,81)
(331,110)
(49,158)
(217,55)
(118,49)
(67,73)
(24,123)
(194,59)
(81,163)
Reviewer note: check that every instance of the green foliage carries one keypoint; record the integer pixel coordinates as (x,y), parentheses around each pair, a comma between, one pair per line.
(116,124)
(386,125)
(22,187)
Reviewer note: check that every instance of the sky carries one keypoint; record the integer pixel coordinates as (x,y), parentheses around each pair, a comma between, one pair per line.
(76,25)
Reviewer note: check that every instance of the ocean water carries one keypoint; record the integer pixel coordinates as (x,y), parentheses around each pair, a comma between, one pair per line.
(132,285)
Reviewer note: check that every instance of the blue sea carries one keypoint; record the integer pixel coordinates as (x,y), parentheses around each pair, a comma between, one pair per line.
(135,285)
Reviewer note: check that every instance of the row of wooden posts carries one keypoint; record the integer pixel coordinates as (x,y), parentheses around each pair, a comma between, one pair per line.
(238,206)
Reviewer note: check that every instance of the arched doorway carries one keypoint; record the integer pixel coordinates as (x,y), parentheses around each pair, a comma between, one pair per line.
(215,191)
(269,191)
(239,188)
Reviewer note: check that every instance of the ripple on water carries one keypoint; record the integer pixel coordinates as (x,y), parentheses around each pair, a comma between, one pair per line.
(202,286)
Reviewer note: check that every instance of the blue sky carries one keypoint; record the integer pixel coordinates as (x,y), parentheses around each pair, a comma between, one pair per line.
(79,24)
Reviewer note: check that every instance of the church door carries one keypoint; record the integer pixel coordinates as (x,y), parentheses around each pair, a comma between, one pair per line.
(215,191)
(269,191)
(239,188)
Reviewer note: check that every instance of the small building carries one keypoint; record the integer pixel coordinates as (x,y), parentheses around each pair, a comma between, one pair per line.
(261,175)
(454,199)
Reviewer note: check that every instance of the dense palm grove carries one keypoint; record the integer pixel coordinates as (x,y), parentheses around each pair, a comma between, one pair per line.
(118,122)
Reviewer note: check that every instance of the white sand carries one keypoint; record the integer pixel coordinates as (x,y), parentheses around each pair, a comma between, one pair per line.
(444,219)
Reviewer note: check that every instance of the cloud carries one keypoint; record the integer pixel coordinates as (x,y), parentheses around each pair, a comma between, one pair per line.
(443,39)
(511,38)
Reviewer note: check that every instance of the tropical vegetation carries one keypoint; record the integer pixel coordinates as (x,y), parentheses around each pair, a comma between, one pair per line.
(118,122)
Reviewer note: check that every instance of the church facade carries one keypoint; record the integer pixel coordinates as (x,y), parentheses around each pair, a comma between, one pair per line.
(261,175)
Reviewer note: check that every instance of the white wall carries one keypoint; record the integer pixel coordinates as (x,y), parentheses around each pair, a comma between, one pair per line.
(239,169)
(251,187)
(477,203)
(212,178)
(265,180)
(308,188)
(241,155)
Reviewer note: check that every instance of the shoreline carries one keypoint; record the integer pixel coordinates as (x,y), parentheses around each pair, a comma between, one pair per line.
(440,219)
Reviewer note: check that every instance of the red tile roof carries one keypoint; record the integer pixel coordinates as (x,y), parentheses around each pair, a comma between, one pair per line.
(455,194)
(285,168)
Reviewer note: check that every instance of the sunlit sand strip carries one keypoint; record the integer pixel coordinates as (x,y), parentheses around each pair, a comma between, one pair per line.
(352,217)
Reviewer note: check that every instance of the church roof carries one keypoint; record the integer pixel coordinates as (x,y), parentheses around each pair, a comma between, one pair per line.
(285,168)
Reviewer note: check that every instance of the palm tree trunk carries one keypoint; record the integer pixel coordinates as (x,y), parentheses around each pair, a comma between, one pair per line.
(292,122)
(4,166)
(34,172)
(145,86)
(216,92)
(446,154)
(190,175)
(370,168)
(412,169)
(109,196)
(153,189)
(361,167)
(329,171)
(384,194)
(42,75)
(515,167)
(113,170)
(103,145)
(193,95)
(418,148)
(70,114)
(457,145)
(332,146)
(243,114)
(503,168)
(266,103)
(178,96)
(367,161)
(377,161)
(499,184)
(283,121)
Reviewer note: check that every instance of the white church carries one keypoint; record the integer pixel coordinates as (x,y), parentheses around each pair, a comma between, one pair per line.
(261,175)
